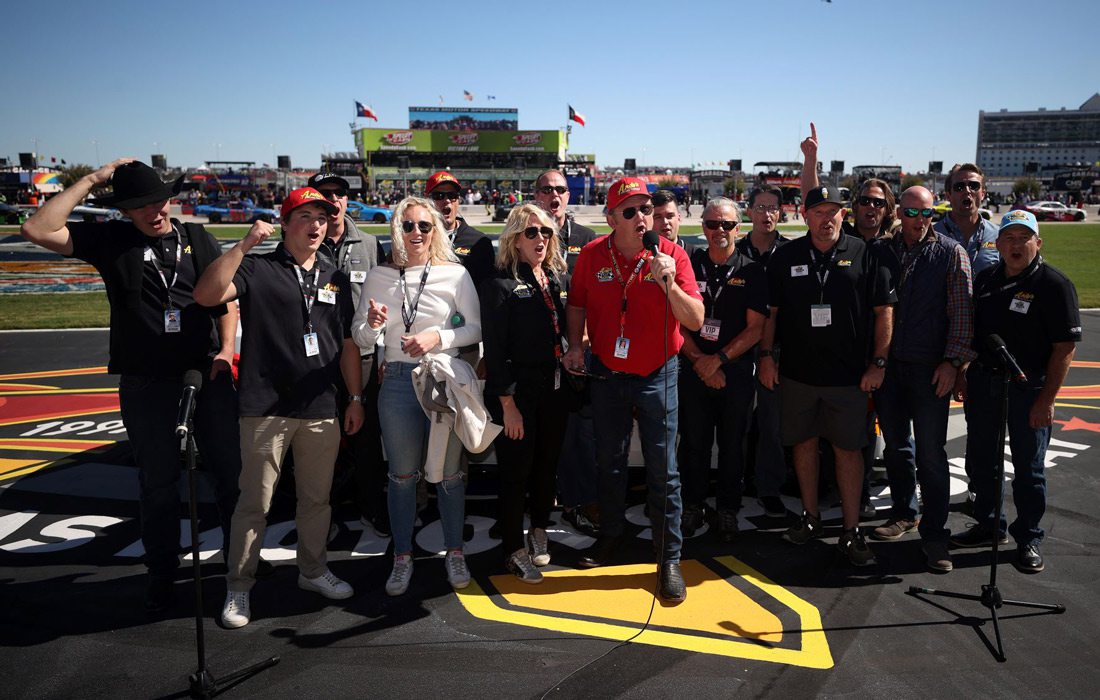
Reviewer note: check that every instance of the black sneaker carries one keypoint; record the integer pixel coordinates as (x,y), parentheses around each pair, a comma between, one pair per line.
(379,522)
(691,520)
(773,506)
(1029,559)
(807,528)
(852,545)
(580,522)
(977,536)
(672,586)
(727,525)
(159,595)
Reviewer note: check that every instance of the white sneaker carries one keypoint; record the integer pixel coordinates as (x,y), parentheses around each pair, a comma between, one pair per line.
(327,584)
(458,575)
(236,612)
(398,582)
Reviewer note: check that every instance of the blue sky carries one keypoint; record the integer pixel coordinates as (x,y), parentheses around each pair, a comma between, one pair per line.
(665,83)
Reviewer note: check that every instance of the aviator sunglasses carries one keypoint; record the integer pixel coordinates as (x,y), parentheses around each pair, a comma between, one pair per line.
(440,196)
(972,185)
(629,212)
(913,212)
(714,224)
(408,226)
(876,202)
(532,231)
(547,189)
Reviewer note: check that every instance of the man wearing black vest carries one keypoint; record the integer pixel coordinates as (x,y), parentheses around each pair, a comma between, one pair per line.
(933,329)
(150,265)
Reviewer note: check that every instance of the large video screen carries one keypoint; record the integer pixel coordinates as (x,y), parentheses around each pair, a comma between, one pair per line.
(463,119)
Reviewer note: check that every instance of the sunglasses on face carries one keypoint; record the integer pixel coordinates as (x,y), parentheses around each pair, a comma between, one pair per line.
(876,202)
(408,226)
(913,213)
(714,224)
(547,189)
(440,196)
(767,208)
(629,212)
(532,231)
(972,185)
(333,194)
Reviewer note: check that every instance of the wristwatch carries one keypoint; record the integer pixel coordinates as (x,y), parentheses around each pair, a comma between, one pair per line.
(355,397)
(955,362)
(726,359)
(879,362)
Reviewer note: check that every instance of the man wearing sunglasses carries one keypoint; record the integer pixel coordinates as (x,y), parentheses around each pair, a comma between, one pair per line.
(717,378)
(932,332)
(621,290)
(552,193)
(965,187)
(666,218)
(473,248)
(355,253)
(825,289)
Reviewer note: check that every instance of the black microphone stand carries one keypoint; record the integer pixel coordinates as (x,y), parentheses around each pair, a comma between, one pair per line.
(203,683)
(990,596)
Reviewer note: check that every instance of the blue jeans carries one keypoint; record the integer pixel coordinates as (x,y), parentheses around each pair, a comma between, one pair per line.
(405,430)
(149,406)
(1028,446)
(614,402)
(710,415)
(907,396)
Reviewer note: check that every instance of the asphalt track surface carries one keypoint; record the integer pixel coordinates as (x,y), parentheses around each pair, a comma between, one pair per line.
(763,618)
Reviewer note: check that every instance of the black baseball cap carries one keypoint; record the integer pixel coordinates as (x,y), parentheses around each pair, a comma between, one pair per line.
(325,176)
(823,195)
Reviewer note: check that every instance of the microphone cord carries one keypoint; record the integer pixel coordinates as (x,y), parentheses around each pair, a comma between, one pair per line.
(660,549)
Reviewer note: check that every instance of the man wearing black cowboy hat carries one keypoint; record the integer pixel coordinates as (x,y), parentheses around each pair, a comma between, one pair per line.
(150,265)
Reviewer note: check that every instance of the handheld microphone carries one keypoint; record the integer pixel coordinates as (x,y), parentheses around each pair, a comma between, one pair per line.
(651,240)
(997,347)
(192,382)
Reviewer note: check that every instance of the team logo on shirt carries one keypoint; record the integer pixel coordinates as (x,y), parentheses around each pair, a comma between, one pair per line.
(523,291)
(1021,302)
(462,251)
(989,244)
(1026,296)
(330,287)
(605,274)
(187,250)
(574,249)
(735,282)
(843,263)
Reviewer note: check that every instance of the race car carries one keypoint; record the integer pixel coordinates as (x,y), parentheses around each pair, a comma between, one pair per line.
(1055,211)
(364,212)
(235,212)
(943,207)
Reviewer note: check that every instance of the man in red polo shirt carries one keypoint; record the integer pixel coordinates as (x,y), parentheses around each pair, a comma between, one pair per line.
(634,303)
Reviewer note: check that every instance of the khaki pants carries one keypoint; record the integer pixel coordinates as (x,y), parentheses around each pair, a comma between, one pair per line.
(264,442)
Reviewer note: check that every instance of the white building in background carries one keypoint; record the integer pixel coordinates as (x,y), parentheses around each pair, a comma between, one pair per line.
(1008,141)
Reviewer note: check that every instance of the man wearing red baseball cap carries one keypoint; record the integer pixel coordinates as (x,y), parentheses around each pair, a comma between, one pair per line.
(473,248)
(296,347)
(633,302)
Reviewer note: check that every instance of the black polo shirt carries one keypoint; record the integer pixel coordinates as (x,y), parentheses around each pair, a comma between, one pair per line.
(1030,312)
(571,239)
(855,282)
(746,248)
(475,251)
(275,375)
(128,262)
(518,331)
(728,290)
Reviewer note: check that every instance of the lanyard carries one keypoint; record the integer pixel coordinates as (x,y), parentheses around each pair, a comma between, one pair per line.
(175,270)
(309,294)
(409,309)
(908,259)
(567,230)
(713,294)
(626,285)
(553,317)
(822,268)
(1012,285)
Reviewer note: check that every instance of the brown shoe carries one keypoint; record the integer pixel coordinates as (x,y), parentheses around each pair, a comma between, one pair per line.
(938,558)
(893,529)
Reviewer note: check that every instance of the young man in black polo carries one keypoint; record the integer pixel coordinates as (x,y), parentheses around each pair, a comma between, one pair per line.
(149,266)
(824,288)
(1032,307)
(296,348)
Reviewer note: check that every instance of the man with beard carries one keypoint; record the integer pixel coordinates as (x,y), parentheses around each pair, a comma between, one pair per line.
(150,265)
(770,463)
(622,291)
(965,187)
(933,329)
(716,378)
(824,289)
(354,253)
(473,248)
(552,193)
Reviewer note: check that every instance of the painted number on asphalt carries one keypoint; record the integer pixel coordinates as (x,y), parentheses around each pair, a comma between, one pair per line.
(80,427)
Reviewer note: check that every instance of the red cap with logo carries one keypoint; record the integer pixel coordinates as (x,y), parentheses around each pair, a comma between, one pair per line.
(438,179)
(306,195)
(626,187)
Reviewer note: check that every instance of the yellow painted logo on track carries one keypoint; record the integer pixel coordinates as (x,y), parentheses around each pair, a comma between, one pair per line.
(736,612)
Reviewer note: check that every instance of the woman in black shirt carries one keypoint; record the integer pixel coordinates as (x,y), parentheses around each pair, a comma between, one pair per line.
(523,321)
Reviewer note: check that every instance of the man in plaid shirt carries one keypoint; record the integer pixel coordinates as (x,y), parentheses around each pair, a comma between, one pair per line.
(933,329)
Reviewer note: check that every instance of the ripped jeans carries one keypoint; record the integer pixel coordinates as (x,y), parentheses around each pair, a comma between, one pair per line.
(405,437)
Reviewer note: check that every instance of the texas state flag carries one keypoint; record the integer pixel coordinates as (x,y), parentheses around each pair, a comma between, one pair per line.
(575,116)
(361,110)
